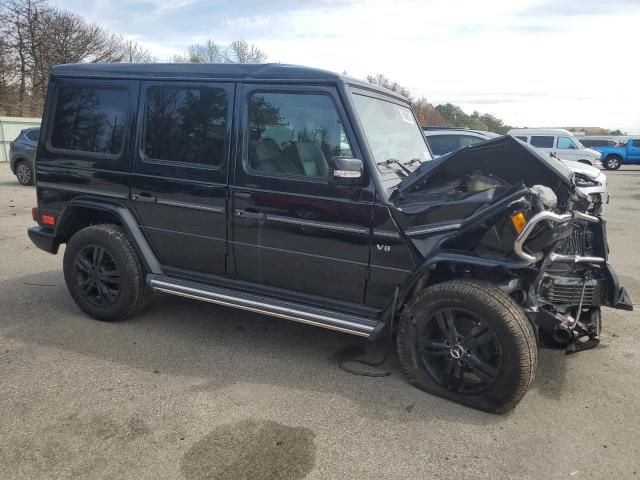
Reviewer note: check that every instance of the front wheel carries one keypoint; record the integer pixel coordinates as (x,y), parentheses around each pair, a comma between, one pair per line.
(469,342)
(612,163)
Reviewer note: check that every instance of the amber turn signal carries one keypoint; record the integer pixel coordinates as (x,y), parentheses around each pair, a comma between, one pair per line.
(519,221)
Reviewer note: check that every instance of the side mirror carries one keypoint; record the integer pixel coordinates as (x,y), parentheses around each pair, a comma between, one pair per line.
(345,171)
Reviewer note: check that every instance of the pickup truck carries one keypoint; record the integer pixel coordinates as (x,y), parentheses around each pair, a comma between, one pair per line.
(614,157)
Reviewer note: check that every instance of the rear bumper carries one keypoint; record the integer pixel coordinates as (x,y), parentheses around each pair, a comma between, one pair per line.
(44,239)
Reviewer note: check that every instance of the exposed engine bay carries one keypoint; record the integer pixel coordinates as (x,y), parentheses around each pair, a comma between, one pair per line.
(502,212)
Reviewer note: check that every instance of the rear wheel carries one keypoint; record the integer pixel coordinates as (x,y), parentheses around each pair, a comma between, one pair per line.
(103,273)
(613,163)
(24,173)
(469,342)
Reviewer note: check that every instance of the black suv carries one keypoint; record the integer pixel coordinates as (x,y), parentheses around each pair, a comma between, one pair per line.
(313,197)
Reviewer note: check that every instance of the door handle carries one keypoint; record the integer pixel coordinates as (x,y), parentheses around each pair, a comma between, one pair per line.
(144,197)
(252,215)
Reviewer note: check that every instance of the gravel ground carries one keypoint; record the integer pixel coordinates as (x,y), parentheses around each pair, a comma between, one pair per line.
(192,390)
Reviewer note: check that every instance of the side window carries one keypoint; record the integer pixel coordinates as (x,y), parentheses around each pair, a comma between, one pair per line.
(443,144)
(520,137)
(542,141)
(468,140)
(294,134)
(33,135)
(185,124)
(89,119)
(566,143)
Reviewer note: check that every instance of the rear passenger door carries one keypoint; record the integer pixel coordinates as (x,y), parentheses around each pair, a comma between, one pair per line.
(179,176)
(292,229)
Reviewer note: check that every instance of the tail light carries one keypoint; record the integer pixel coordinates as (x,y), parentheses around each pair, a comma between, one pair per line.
(49,220)
(44,218)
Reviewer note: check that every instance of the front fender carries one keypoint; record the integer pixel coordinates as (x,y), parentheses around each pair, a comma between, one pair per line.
(501,266)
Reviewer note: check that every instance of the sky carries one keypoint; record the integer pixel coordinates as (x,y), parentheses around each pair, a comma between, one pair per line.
(534,63)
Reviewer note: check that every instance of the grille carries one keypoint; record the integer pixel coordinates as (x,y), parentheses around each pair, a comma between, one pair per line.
(570,294)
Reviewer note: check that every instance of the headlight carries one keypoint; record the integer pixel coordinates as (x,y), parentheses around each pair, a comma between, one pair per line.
(584,181)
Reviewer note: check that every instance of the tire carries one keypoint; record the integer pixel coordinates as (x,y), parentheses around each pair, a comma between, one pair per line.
(103,273)
(491,362)
(612,163)
(24,172)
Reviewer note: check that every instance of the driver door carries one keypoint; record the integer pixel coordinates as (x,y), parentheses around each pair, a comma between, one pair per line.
(291,228)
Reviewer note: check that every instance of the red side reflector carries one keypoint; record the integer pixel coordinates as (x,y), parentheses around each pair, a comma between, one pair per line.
(34,214)
(48,219)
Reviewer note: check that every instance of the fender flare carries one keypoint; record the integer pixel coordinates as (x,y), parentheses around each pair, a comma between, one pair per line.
(128,222)
(455,258)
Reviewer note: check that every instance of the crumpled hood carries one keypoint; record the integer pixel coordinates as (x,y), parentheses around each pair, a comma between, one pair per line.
(506,157)
(583,168)
(446,194)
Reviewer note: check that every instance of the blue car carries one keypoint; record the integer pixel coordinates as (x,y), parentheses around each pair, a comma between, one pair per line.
(22,152)
(614,157)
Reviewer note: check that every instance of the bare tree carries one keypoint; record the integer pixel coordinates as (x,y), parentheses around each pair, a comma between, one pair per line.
(240,51)
(209,52)
(383,81)
(136,53)
(21,30)
(34,37)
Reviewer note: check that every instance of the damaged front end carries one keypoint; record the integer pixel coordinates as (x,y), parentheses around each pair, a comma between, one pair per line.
(502,212)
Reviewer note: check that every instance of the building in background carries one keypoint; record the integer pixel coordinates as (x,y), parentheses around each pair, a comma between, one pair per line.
(10,128)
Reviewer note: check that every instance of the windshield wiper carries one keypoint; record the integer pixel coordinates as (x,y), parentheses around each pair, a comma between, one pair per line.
(389,161)
(412,161)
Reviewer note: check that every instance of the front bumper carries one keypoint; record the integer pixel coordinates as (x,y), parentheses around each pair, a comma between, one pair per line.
(44,239)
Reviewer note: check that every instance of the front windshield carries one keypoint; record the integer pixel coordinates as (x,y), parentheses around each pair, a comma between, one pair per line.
(395,139)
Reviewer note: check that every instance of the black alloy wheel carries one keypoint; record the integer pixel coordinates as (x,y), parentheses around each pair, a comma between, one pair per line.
(468,341)
(104,274)
(459,350)
(97,276)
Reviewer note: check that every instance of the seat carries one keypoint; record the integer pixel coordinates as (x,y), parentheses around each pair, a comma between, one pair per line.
(266,156)
(310,157)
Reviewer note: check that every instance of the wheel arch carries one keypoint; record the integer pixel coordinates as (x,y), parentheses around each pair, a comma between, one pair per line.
(450,266)
(615,155)
(81,213)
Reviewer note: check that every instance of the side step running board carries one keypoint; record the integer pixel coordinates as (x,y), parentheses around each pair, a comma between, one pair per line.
(319,317)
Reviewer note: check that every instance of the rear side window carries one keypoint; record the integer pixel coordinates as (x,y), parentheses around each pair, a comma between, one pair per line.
(443,144)
(468,140)
(542,141)
(186,124)
(33,135)
(524,139)
(90,119)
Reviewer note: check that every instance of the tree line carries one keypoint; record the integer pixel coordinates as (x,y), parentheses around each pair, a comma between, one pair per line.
(446,115)
(35,36)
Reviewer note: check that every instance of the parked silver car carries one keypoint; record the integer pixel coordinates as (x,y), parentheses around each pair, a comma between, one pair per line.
(589,179)
(22,152)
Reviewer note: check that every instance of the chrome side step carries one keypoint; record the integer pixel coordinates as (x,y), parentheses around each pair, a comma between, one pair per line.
(319,317)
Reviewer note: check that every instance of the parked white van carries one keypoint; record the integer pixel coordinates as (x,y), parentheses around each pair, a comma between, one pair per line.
(558,142)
